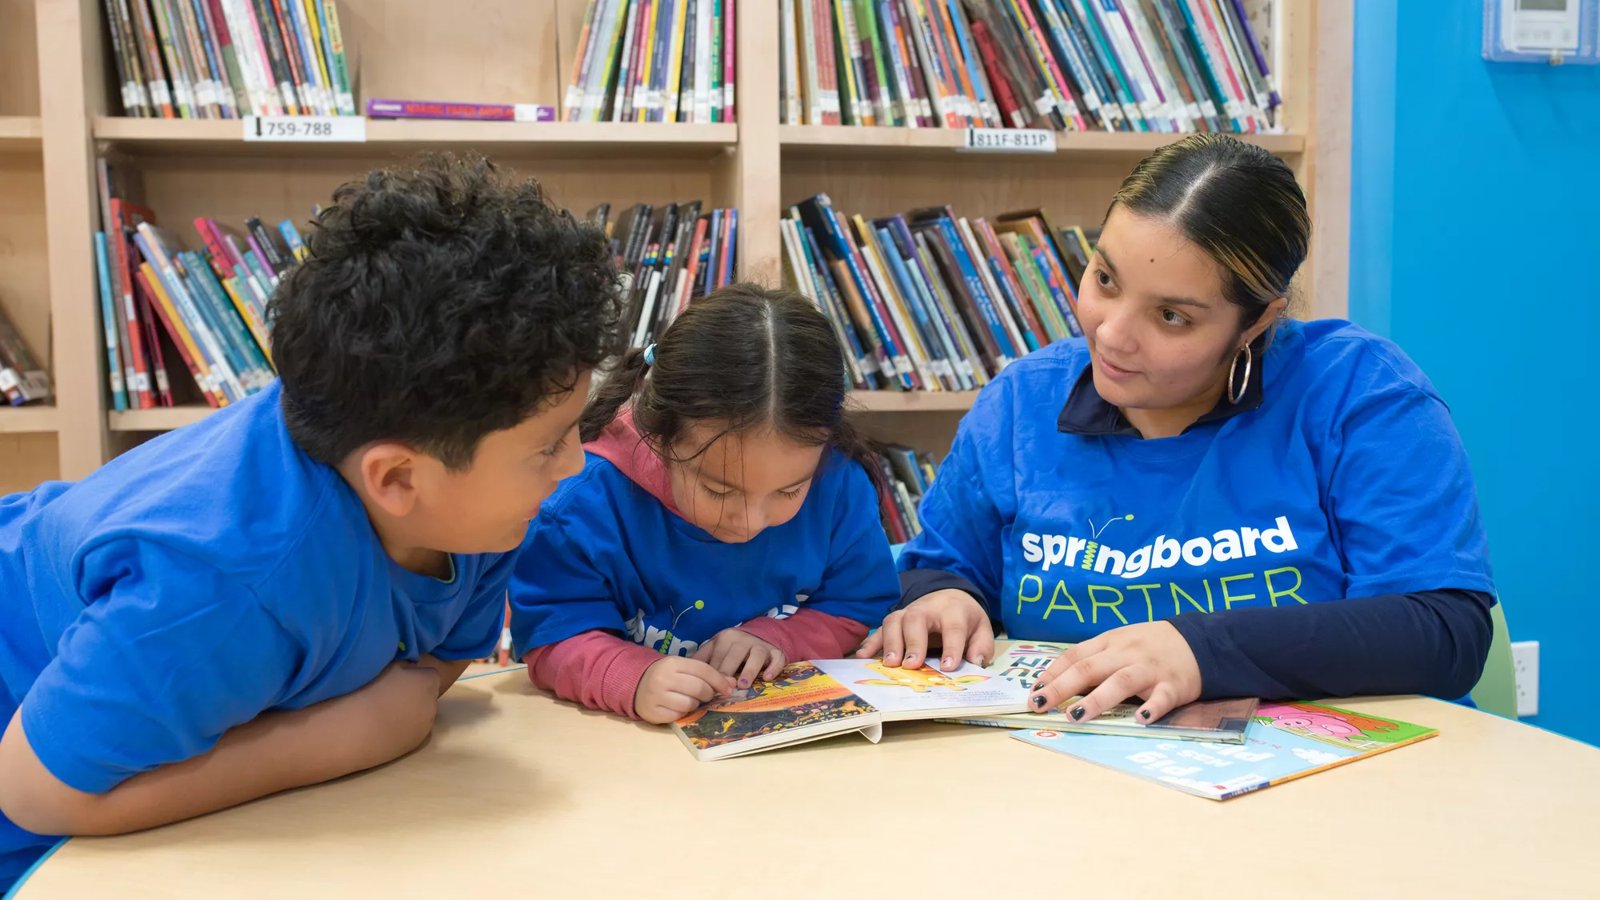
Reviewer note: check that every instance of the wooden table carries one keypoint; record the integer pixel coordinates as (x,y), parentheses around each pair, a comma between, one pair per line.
(517,795)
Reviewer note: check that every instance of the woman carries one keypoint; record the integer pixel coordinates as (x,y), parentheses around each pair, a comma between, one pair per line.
(1210,499)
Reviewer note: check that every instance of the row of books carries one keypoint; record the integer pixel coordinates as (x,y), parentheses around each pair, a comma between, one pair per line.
(1075,65)
(932,301)
(907,475)
(226,59)
(22,378)
(669,255)
(163,306)
(654,61)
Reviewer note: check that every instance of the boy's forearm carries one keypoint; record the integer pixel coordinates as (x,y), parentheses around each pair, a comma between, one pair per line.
(450,670)
(274,752)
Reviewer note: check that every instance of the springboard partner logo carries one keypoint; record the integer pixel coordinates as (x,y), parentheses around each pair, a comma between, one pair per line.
(1049,550)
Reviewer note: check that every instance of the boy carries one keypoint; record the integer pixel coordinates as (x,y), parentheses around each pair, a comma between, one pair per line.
(277,596)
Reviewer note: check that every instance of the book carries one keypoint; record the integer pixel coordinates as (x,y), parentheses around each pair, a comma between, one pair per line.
(22,378)
(1284,741)
(817,699)
(653,61)
(1065,65)
(223,59)
(1022,662)
(438,109)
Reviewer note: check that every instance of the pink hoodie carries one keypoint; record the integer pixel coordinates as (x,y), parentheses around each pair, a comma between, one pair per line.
(602,670)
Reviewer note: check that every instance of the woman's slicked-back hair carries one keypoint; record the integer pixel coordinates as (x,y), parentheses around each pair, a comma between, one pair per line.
(1237,202)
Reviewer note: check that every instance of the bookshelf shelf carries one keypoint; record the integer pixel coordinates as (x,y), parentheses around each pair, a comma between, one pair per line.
(58,110)
(20,133)
(204,137)
(28,420)
(159,419)
(838,141)
(911,401)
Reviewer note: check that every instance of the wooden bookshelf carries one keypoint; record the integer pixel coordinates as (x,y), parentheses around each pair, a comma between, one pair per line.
(911,401)
(834,142)
(59,100)
(212,137)
(159,419)
(29,442)
(28,419)
(20,134)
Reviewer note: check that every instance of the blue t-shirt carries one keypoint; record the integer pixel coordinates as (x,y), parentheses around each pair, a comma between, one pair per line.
(1349,480)
(193,583)
(606,554)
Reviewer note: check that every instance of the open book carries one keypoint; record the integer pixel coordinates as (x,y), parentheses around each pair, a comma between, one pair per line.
(1022,662)
(1285,741)
(822,698)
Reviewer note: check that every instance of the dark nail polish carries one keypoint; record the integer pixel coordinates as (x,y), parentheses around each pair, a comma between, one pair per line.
(1076,713)
(1038,701)
(1144,714)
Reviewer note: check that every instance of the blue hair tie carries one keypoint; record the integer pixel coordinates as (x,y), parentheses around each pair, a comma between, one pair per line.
(650,355)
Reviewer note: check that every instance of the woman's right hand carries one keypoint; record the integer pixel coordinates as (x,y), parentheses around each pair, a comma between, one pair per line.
(675,686)
(955,617)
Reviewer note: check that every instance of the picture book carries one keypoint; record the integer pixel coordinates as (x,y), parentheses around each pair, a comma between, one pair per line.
(1285,741)
(822,698)
(1022,662)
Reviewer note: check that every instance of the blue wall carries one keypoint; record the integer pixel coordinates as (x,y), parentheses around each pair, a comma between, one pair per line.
(1475,244)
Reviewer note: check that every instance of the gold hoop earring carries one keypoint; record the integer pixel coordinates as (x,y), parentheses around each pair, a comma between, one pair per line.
(1249,360)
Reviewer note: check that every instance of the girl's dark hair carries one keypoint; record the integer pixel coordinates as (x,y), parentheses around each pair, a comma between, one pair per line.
(1237,202)
(744,357)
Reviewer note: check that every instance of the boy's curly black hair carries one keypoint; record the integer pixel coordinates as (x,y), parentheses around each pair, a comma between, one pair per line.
(438,303)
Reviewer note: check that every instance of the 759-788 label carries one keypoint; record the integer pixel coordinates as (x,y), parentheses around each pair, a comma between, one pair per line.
(343,129)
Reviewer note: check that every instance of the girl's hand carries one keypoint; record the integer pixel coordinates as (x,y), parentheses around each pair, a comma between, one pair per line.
(740,653)
(1150,660)
(674,686)
(955,616)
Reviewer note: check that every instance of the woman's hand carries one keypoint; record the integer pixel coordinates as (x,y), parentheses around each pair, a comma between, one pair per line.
(740,654)
(956,617)
(1150,660)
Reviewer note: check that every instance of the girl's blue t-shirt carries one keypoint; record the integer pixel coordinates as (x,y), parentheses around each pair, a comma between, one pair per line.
(606,554)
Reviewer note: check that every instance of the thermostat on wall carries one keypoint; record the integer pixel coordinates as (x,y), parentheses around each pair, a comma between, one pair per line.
(1549,31)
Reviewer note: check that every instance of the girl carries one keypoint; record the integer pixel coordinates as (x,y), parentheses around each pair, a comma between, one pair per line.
(1212,500)
(725,525)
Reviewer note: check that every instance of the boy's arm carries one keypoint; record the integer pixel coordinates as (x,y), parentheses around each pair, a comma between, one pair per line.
(449,670)
(274,752)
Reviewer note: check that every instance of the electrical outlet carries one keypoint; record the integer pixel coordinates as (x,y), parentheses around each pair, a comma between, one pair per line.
(1525,666)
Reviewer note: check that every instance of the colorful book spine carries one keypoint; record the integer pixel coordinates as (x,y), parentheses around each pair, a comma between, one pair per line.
(477,112)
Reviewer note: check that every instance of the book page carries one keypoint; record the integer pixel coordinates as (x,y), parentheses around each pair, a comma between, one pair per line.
(925,692)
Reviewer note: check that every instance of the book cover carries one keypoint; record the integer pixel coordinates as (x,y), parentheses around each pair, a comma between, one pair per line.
(802,704)
(1285,741)
(1022,662)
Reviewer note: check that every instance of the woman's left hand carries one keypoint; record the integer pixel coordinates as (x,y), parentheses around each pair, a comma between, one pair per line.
(1150,660)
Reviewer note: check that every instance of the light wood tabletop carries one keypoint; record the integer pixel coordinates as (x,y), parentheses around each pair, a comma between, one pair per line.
(519,795)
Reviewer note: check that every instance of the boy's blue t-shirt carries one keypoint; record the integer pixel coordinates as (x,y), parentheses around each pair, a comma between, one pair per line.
(196,581)
(606,554)
(1348,481)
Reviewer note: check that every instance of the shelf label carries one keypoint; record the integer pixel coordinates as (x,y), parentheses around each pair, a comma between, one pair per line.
(1010,140)
(329,129)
